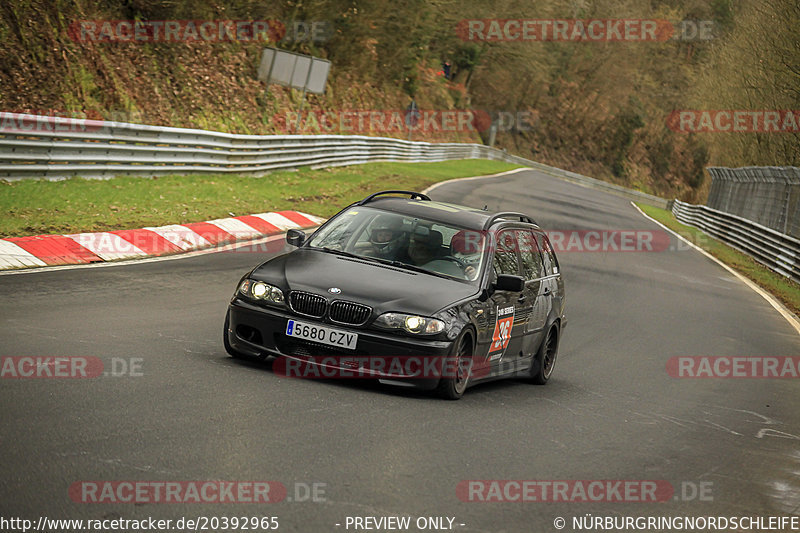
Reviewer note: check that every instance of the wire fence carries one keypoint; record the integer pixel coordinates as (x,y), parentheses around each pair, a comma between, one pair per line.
(769,196)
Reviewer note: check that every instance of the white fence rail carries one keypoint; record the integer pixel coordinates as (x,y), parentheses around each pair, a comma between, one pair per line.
(33,146)
(771,248)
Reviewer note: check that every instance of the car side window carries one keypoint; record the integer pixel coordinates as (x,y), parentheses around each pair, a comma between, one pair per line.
(550,261)
(505,256)
(530,254)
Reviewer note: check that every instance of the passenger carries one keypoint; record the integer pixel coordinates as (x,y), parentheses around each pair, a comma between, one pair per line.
(466,246)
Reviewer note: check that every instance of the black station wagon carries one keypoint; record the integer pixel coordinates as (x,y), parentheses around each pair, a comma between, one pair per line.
(409,291)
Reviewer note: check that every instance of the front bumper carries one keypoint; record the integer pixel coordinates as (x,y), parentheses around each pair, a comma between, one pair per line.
(259,331)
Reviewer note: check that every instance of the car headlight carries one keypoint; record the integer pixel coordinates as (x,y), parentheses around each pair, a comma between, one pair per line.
(419,325)
(258,290)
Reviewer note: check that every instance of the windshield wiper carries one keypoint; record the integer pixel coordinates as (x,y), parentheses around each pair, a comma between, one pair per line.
(337,252)
(414,268)
(351,254)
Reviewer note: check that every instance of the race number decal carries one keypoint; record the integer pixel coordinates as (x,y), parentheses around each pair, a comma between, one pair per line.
(502,332)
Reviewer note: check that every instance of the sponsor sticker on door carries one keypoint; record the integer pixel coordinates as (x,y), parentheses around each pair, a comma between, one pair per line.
(502,332)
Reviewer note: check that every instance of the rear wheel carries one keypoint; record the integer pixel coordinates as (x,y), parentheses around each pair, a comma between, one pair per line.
(456,374)
(545,360)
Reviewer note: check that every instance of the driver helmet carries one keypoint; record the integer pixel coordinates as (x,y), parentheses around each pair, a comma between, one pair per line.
(386,234)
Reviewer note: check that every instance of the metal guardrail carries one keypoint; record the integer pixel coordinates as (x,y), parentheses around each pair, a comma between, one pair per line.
(59,148)
(33,146)
(771,248)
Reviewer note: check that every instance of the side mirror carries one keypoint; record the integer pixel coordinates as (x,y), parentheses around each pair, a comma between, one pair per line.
(507,282)
(295,237)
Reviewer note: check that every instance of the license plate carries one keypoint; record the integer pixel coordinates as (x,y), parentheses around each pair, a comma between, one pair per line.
(321,334)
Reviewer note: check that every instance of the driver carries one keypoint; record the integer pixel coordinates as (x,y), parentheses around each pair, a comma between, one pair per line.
(385,237)
(466,246)
(425,245)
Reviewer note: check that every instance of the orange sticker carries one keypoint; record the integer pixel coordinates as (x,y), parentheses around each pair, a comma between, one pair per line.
(502,332)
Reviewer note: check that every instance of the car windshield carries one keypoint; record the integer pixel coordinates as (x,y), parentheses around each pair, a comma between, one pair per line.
(403,240)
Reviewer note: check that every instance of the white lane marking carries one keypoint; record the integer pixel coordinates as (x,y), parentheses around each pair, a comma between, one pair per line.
(181,236)
(501,174)
(13,256)
(278,220)
(107,246)
(769,432)
(237,228)
(312,218)
(782,309)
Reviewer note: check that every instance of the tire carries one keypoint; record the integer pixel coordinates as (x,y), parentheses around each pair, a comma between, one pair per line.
(453,387)
(545,360)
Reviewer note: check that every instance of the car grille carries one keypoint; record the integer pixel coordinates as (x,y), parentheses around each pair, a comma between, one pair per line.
(349,313)
(340,311)
(308,304)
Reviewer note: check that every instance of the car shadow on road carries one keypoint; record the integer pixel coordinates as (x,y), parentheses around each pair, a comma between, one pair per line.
(507,388)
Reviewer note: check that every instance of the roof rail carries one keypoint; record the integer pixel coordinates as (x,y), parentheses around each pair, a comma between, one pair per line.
(412,194)
(509,215)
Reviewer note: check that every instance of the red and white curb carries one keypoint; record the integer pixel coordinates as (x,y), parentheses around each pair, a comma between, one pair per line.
(81,248)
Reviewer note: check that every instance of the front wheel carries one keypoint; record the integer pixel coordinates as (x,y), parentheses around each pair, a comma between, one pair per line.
(545,360)
(456,376)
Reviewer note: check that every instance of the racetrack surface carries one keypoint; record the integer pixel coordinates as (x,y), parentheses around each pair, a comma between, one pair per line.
(610,412)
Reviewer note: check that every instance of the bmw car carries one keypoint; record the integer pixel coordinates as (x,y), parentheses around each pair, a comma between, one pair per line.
(409,291)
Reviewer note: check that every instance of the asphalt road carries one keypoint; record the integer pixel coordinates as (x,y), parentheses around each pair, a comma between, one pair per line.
(610,412)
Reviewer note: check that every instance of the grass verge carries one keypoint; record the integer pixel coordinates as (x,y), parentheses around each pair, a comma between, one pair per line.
(784,289)
(35,207)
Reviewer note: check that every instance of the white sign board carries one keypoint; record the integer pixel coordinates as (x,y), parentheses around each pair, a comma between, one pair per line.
(294,70)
